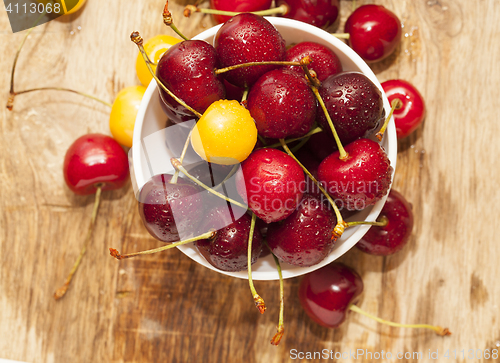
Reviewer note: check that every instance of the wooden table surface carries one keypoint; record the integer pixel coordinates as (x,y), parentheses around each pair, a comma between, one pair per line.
(166,308)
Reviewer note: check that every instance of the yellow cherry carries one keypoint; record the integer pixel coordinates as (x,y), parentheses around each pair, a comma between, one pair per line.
(52,6)
(225,134)
(124,112)
(154,47)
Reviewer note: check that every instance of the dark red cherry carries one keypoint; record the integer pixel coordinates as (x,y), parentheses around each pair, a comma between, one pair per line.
(93,160)
(327,293)
(374,32)
(354,104)
(383,241)
(238,6)
(359,181)
(228,250)
(168,210)
(311,163)
(305,237)
(321,13)
(248,38)
(272,183)
(410,114)
(188,70)
(282,104)
(324,61)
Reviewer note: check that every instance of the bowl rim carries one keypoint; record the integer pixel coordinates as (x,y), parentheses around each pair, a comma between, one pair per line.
(288,271)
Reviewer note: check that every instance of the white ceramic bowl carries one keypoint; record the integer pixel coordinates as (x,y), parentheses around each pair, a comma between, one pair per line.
(152,119)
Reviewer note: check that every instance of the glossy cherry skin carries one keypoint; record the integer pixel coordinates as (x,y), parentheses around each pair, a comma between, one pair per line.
(327,293)
(321,13)
(354,104)
(282,104)
(359,181)
(305,237)
(324,61)
(272,183)
(374,32)
(238,6)
(92,160)
(188,70)
(248,38)
(228,250)
(168,209)
(410,115)
(384,241)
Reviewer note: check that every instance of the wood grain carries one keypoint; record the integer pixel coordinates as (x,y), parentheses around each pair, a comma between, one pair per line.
(166,308)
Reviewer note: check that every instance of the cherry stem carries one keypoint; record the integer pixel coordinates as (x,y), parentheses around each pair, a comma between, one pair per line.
(280,10)
(439,330)
(281,328)
(382,222)
(259,302)
(60,292)
(396,104)
(181,159)
(244,96)
(167,19)
(300,144)
(137,39)
(310,133)
(177,165)
(10,104)
(343,154)
(341,224)
(208,235)
(19,52)
(313,80)
(251,64)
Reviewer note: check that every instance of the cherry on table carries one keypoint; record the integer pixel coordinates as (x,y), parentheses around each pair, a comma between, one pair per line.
(410,112)
(327,293)
(93,163)
(389,239)
(374,32)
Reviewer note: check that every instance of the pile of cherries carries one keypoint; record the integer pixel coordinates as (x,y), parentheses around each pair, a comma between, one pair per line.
(250,96)
(304,131)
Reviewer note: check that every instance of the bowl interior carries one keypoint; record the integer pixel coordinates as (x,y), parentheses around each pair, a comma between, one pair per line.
(151,120)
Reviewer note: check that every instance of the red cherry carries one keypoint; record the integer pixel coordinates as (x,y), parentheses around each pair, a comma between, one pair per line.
(282,104)
(323,60)
(238,6)
(321,13)
(228,250)
(305,237)
(188,70)
(374,32)
(411,112)
(248,38)
(94,160)
(360,180)
(327,293)
(272,182)
(383,241)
